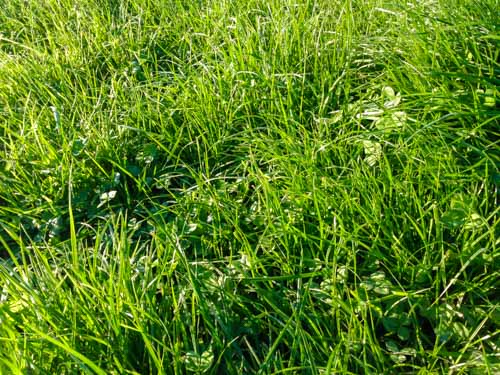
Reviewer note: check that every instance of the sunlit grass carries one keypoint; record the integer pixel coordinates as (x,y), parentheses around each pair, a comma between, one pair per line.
(249,187)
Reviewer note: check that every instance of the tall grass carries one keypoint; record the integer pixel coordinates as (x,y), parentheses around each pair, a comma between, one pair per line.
(249,186)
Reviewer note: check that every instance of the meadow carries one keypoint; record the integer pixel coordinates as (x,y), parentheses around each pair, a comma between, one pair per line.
(249,187)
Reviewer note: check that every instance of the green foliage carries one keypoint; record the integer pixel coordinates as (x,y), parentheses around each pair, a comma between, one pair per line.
(249,187)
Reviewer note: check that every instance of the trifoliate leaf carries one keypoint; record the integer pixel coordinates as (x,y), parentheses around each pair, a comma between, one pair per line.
(373,152)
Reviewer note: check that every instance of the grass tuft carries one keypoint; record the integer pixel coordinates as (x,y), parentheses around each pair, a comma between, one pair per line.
(260,187)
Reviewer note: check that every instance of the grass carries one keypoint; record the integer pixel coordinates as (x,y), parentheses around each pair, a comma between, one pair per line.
(254,186)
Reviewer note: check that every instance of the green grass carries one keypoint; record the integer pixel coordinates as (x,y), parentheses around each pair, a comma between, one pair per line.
(258,186)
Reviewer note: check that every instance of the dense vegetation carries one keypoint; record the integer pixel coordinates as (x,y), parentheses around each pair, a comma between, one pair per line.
(249,186)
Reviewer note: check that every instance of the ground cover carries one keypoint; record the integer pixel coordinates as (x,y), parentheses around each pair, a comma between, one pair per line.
(298,186)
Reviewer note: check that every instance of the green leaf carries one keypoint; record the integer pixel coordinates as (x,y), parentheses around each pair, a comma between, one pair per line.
(378,276)
(460,330)
(398,358)
(392,346)
(443,333)
(199,363)
(474,221)
(373,152)
(396,354)
(404,333)
(454,218)
(391,323)
(106,197)
(391,98)
(388,92)
(383,289)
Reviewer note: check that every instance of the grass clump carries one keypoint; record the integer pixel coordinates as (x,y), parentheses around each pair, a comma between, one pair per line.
(249,187)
